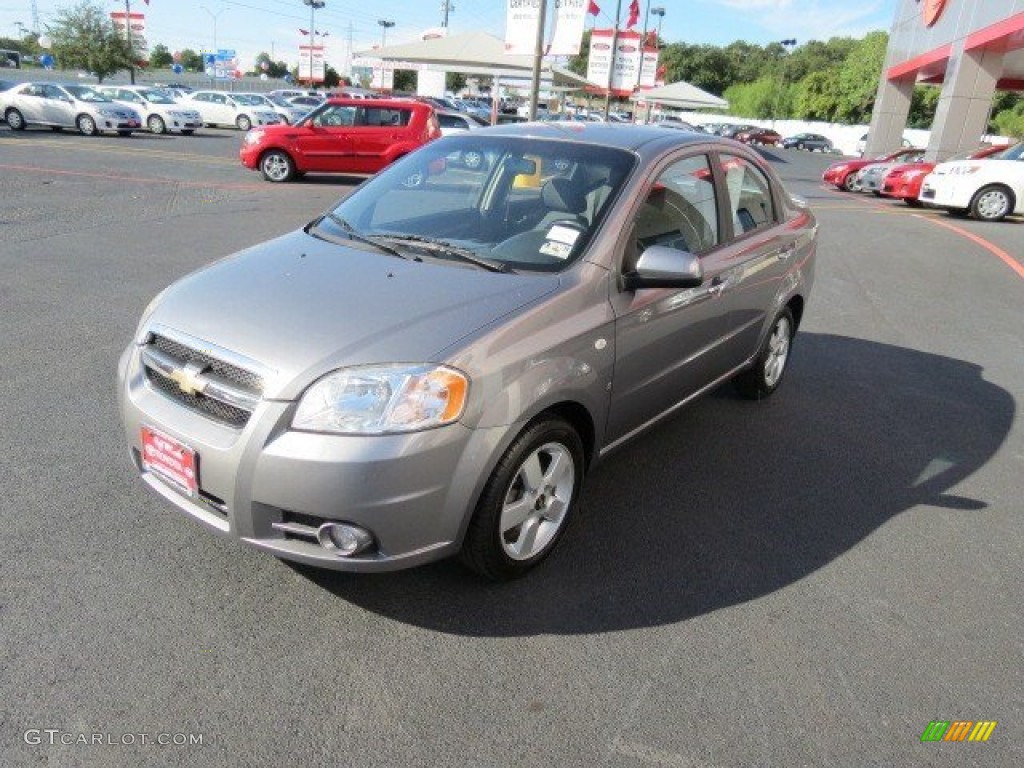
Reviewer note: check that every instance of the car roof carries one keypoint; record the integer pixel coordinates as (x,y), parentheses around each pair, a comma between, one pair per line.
(345,101)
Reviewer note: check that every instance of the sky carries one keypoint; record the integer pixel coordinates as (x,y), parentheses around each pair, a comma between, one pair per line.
(252,26)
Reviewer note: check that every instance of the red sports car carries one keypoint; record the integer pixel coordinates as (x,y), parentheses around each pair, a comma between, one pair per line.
(904,181)
(844,174)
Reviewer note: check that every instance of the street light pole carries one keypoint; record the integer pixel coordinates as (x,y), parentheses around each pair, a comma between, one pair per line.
(313,5)
(385,25)
(611,63)
(538,59)
(214,17)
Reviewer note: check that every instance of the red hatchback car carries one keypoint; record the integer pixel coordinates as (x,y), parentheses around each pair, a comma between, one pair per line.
(342,135)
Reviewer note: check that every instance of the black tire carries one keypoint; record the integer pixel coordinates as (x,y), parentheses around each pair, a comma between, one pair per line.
(992,203)
(277,166)
(156,124)
(764,377)
(86,125)
(912,202)
(550,450)
(15,120)
(243,123)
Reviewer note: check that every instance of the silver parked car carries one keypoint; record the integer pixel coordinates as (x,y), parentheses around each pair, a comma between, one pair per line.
(432,366)
(57,106)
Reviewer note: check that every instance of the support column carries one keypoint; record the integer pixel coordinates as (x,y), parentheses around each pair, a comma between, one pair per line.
(961,118)
(889,117)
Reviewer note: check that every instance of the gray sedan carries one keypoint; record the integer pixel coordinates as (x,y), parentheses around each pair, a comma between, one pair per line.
(433,366)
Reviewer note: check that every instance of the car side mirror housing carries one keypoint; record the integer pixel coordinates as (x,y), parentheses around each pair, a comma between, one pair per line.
(662,267)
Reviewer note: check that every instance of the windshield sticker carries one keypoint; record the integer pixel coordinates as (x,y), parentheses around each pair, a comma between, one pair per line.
(556,249)
(563,235)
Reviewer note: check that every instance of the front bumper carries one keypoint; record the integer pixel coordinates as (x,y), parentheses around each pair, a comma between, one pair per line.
(413,492)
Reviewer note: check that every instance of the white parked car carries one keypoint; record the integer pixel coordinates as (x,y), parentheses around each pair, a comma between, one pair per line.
(236,110)
(160,112)
(57,106)
(989,189)
(289,113)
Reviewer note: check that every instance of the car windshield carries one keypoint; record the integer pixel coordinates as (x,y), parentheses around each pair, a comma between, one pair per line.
(280,101)
(249,99)
(154,96)
(1016,152)
(520,204)
(85,93)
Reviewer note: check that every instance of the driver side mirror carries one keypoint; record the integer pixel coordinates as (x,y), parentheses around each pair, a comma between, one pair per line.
(662,267)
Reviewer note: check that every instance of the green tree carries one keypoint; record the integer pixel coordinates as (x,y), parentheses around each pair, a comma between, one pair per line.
(160,57)
(1010,122)
(83,36)
(273,68)
(923,104)
(762,99)
(858,80)
(454,81)
(817,96)
(192,61)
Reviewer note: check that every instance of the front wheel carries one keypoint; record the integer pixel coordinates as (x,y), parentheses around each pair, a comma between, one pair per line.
(851,183)
(243,122)
(992,203)
(156,124)
(276,165)
(763,379)
(527,502)
(86,125)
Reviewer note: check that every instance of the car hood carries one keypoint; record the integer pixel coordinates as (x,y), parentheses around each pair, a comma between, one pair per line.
(1009,168)
(301,307)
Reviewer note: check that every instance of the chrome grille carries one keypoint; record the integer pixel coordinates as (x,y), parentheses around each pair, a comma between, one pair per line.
(200,379)
(227,414)
(184,354)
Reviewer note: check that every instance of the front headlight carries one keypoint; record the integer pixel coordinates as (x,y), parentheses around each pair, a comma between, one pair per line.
(381,399)
(253,136)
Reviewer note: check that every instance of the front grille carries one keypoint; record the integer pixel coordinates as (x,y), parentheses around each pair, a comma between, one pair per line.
(227,414)
(228,394)
(241,376)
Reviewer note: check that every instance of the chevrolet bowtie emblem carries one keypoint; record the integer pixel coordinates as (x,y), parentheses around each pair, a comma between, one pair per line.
(190,378)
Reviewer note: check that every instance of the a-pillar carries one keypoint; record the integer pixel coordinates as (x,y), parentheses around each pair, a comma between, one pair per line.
(889,117)
(961,118)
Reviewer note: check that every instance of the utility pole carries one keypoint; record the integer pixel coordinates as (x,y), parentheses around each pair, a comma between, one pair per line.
(128,36)
(538,58)
(611,64)
(35,18)
(446,7)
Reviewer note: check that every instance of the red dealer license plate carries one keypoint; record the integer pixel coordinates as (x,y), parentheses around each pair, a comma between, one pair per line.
(171,459)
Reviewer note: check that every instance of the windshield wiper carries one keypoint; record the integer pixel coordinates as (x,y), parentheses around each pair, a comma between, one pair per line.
(449,249)
(353,235)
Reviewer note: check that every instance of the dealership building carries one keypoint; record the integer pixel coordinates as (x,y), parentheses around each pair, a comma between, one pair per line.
(970,48)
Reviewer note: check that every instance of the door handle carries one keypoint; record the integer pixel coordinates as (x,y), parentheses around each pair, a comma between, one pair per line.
(785,251)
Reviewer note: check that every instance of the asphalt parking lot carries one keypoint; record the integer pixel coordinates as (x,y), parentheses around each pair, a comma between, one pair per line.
(807,581)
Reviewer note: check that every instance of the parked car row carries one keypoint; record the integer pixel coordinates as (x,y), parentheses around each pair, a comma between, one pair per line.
(987,183)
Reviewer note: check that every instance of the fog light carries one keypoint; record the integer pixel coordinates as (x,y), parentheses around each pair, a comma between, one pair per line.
(343,539)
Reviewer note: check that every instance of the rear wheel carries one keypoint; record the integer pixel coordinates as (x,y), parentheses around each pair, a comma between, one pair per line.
(243,122)
(15,120)
(276,165)
(850,182)
(156,124)
(992,203)
(86,125)
(763,379)
(527,502)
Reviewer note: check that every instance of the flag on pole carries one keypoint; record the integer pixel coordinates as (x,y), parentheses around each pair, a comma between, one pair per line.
(634,14)
(593,9)
(304,31)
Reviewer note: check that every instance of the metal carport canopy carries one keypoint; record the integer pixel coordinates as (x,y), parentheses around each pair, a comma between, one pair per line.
(681,95)
(473,53)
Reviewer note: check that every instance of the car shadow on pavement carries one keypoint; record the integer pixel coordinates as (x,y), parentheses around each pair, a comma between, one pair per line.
(731,500)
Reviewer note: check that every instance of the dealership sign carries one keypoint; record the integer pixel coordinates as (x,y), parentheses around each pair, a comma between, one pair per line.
(136,22)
